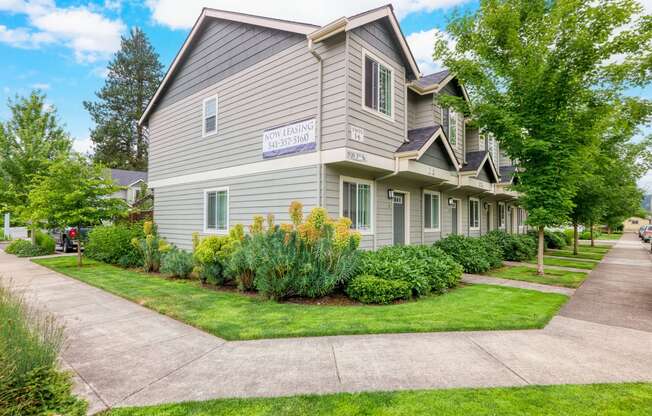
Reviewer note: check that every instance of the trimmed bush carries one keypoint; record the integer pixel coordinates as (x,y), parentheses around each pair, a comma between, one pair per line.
(513,247)
(569,235)
(151,247)
(470,252)
(25,248)
(425,269)
(45,242)
(552,239)
(372,289)
(177,263)
(212,255)
(30,342)
(112,244)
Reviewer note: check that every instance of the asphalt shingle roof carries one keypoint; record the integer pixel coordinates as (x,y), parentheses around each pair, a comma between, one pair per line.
(127,177)
(507,173)
(474,161)
(432,79)
(417,138)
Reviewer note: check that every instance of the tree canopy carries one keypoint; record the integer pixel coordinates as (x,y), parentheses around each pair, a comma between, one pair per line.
(134,73)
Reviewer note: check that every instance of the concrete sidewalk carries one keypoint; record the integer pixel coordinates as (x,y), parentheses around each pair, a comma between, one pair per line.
(125,354)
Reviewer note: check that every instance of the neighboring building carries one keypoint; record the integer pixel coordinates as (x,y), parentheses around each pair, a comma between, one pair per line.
(132,181)
(257,112)
(634,223)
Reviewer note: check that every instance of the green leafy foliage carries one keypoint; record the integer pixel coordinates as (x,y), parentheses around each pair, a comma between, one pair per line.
(45,242)
(212,256)
(372,289)
(426,269)
(151,247)
(30,342)
(177,263)
(24,248)
(513,247)
(133,75)
(470,252)
(552,239)
(112,244)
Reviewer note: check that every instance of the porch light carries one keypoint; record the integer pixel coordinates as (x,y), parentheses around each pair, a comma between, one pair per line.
(451,202)
(390,194)
(486,205)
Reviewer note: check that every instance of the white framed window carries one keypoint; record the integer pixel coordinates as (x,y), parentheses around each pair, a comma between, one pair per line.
(501,215)
(216,210)
(431,210)
(377,86)
(474,214)
(356,203)
(209,116)
(492,147)
(452,126)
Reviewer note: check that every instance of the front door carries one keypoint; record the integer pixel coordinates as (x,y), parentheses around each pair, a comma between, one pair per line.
(399,218)
(454,216)
(489,219)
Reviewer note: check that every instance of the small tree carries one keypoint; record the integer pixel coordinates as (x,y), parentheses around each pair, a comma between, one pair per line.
(75,193)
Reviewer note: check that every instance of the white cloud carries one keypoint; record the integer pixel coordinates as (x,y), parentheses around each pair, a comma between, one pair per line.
(89,34)
(83,146)
(182,15)
(113,5)
(422,45)
(41,86)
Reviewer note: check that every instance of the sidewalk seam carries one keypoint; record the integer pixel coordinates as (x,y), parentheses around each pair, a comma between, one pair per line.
(499,361)
(337,369)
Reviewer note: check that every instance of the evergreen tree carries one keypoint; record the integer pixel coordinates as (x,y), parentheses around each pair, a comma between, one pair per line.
(29,143)
(133,76)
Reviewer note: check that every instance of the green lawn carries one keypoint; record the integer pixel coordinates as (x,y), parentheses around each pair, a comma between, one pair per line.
(585,248)
(614,236)
(234,316)
(577,264)
(567,400)
(553,277)
(581,254)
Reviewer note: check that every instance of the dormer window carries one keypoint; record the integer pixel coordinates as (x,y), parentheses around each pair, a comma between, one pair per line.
(452,126)
(209,121)
(378,86)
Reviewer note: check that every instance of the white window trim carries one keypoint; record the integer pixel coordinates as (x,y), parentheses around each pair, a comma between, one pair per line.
(423,208)
(406,203)
(457,127)
(503,220)
(366,53)
(479,216)
(372,195)
(204,133)
(228,210)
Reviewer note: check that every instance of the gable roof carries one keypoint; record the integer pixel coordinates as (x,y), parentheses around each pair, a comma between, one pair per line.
(475,161)
(345,24)
(419,140)
(127,177)
(507,174)
(434,83)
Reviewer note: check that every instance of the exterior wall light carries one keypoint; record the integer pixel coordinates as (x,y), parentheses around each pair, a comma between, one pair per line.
(390,194)
(451,202)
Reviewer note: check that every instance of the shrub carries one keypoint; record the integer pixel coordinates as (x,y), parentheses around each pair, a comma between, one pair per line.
(470,252)
(307,259)
(552,239)
(586,235)
(151,247)
(372,289)
(45,242)
(112,244)
(177,263)
(570,236)
(25,248)
(512,247)
(212,255)
(425,269)
(30,342)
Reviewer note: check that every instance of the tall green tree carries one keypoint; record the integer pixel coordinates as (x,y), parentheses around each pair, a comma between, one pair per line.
(29,142)
(542,75)
(73,192)
(134,73)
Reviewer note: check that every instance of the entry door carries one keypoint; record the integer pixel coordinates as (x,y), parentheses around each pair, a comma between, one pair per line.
(489,218)
(399,218)
(454,216)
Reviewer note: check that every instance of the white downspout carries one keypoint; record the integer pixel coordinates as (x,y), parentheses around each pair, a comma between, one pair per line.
(320,169)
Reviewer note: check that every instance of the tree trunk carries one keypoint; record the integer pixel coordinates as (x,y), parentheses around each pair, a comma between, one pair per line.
(592,240)
(33,236)
(540,270)
(576,237)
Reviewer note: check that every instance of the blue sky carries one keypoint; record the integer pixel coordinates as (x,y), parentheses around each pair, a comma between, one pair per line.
(62,47)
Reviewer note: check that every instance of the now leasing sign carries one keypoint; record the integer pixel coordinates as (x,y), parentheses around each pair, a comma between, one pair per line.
(292,138)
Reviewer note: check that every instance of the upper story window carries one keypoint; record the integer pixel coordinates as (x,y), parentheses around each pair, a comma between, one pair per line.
(492,147)
(355,199)
(209,119)
(378,86)
(431,210)
(216,209)
(452,126)
(474,214)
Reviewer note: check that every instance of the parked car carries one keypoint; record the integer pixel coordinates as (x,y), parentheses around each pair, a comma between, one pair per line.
(647,234)
(640,231)
(67,238)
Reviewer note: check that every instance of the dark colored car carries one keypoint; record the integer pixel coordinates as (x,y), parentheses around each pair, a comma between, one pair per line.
(67,238)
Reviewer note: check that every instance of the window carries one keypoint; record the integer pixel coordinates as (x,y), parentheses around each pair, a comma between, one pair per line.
(452,126)
(431,210)
(356,203)
(474,214)
(216,209)
(501,215)
(209,125)
(492,147)
(519,216)
(378,84)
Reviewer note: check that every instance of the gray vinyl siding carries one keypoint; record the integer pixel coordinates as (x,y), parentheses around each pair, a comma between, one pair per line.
(437,156)
(486,174)
(179,209)
(333,129)
(380,35)
(459,146)
(279,90)
(382,136)
(421,111)
(473,143)
(222,49)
